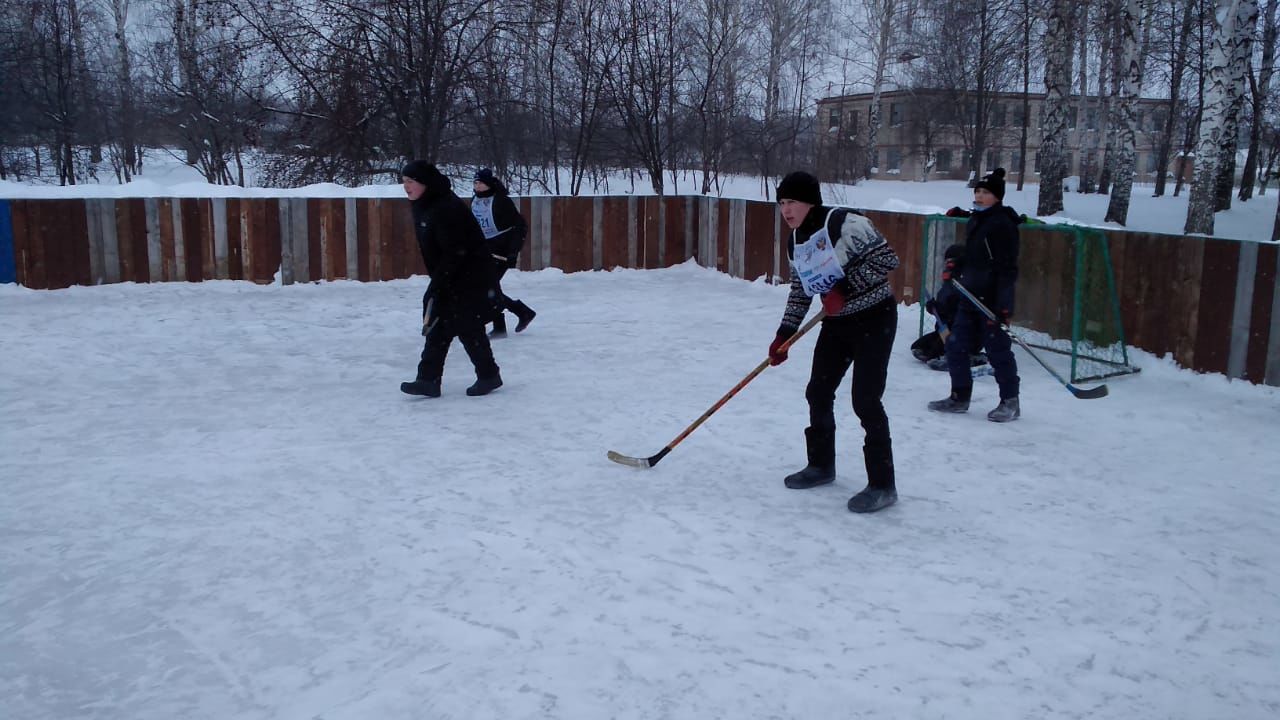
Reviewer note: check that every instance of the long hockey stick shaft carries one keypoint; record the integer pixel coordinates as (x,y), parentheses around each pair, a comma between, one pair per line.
(744,381)
(1097,392)
(653,459)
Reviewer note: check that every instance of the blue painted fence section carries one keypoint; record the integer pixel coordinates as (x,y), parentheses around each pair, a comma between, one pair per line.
(8,267)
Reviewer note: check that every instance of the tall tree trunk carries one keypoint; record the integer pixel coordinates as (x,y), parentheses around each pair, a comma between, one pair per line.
(1027,19)
(1084,173)
(1242,52)
(1178,56)
(1059,29)
(1259,85)
(1126,130)
(1223,75)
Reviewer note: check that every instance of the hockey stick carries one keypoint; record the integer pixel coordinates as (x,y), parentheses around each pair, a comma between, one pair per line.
(1082,393)
(652,460)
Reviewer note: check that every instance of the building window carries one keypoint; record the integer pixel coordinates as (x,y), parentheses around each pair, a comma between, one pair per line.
(1153,162)
(834,121)
(875,161)
(1035,163)
(1019,117)
(1015,161)
(1072,117)
(993,159)
(1138,117)
(997,115)
(895,114)
(1157,120)
(853,122)
(894,159)
(942,161)
(1091,119)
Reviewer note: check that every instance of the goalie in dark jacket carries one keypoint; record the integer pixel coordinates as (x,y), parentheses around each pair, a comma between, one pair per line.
(990,273)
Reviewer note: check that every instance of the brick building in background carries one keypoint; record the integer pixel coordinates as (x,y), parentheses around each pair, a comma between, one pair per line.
(917,126)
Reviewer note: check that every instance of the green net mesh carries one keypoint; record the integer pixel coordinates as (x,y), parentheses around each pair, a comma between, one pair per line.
(1066,296)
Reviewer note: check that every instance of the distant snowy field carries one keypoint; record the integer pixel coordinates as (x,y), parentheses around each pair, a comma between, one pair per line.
(165,176)
(218,505)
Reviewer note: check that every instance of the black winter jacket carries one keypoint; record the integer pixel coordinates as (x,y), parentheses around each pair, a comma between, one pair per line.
(511,225)
(991,257)
(451,243)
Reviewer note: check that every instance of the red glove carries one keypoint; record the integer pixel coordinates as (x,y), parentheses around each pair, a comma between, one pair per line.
(1003,314)
(833,301)
(777,355)
(958,212)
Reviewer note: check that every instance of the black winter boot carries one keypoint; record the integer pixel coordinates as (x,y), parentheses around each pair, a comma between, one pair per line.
(423,387)
(881,490)
(956,402)
(872,499)
(484,386)
(499,326)
(821,447)
(524,315)
(1006,411)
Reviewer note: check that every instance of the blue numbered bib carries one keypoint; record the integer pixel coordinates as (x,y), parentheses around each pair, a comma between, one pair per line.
(815,263)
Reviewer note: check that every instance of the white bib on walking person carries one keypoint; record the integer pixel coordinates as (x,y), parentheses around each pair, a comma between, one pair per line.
(482,208)
(815,262)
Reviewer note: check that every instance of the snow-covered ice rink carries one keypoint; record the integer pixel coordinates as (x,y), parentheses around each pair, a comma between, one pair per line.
(218,505)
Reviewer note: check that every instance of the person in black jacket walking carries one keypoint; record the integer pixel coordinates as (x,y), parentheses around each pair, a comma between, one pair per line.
(837,253)
(504,232)
(456,303)
(990,272)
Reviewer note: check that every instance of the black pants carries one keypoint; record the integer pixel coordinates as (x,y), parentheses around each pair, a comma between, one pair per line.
(969,329)
(462,320)
(500,299)
(865,341)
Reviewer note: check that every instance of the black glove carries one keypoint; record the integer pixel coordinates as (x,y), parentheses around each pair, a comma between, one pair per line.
(958,212)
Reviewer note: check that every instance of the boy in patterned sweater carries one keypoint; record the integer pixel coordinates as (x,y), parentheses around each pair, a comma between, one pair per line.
(837,254)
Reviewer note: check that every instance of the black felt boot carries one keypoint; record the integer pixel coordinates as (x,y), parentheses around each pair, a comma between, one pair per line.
(423,387)
(484,386)
(821,447)
(524,315)
(881,490)
(499,326)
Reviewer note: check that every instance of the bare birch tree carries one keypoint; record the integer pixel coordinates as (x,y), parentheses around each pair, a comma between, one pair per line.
(1241,57)
(1125,127)
(1223,81)
(1260,88)
(1058,42)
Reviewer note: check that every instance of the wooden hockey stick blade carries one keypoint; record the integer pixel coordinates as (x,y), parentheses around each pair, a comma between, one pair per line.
(636,462)
(1092,393)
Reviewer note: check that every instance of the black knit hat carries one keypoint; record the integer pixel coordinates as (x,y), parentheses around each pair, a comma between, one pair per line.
(485,175)
(993,182)
(801,186)
(422,171)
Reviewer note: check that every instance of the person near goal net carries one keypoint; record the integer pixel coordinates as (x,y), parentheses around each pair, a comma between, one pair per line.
(990,272)
(504,233)
(837,254)
(456,303)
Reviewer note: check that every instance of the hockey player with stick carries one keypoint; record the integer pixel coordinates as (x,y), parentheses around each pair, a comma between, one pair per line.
(838,254)
(990,272)
(456,303)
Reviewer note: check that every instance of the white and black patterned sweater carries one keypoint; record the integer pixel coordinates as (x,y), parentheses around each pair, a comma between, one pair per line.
(864,254)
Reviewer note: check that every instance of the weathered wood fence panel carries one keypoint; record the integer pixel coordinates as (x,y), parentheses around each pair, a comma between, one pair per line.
(1211,304)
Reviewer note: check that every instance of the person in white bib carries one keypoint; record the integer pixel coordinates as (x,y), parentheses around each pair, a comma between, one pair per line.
(504,234)
(838,255)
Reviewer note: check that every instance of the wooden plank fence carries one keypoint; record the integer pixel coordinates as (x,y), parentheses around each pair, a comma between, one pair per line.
(1213,305)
